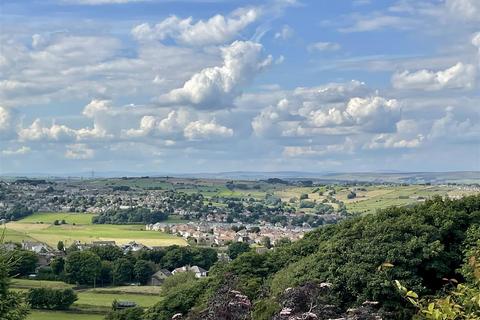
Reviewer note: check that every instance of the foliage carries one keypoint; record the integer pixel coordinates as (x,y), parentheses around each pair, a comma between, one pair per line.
(23,262)
(12,304)
(51,299)
(237,248)
(128,216)
(142,271)
(122,271)
(126,314)
(82,267)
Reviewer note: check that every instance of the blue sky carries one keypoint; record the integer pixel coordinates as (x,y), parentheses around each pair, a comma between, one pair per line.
(211,85)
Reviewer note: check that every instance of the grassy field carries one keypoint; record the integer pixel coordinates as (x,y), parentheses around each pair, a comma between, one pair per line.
(39,227)
(90,301)
(27,284)
(89,298)
(59,315)
(379,197)
(50,217)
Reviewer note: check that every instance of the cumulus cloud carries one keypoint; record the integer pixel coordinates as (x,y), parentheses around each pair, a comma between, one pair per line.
(5,119)
(216,30)
(199,130)
(216,87)
(305,109)
(323,46)
(37,132)
(14,152)
(459,76)
(450,128)
(179,124)
(79,151)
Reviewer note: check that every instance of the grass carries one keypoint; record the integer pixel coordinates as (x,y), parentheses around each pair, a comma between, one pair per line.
(152,290)
(100,299)
(27,284)
(39,227)
(59,315)
(91,302)
(50,217)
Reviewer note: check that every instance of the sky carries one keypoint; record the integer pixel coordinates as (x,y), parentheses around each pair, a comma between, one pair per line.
(210,86)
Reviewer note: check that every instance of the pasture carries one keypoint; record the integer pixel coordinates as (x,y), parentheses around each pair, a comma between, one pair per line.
(40,227)
(60,315)
(91,303)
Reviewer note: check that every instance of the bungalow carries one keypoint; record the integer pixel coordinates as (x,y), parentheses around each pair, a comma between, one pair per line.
(199,272)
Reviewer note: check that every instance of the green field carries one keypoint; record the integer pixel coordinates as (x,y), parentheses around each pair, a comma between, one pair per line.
(50,217)
(59,315)
(39,227)
(90,298)
(379,197)
(91,301)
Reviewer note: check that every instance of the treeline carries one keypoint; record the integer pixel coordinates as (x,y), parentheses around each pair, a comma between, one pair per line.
(109,265)
(132,215)
(349,267)
(16,212)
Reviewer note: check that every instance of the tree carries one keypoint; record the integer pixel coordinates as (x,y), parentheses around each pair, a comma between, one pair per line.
(122,271)
(12,304)
(82,267)
(58,265)
(237,248)
(142,271)
(135,313)
(266,242)
(106,273)
(51,299)
(109,252)
(23,262)
(60,246)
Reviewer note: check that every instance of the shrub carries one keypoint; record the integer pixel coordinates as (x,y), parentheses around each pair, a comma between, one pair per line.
(51,299)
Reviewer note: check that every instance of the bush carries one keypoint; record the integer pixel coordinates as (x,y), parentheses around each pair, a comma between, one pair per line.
(51,299)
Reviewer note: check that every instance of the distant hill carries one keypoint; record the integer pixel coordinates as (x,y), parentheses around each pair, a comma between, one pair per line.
(461,177)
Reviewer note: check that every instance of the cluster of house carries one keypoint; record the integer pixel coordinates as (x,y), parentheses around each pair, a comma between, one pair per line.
(65,197)
(219,234)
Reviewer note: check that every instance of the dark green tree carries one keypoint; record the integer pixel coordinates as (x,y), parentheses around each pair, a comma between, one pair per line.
(237,248)
(82,267)
(142,271)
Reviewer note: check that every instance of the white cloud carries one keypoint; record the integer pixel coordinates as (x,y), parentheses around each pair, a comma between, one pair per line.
(200,130)
(96,106)
(284,34)
(464,9)
(459,76)
(14,152)
(323,46)
(386,141)
(5,119)
(179,124)
(79,151)
(449,128)
(216,87)
(37,132)
(169,127)
(216,30)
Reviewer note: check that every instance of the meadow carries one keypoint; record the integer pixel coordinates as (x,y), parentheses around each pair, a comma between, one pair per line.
(91,303)
(40,227)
